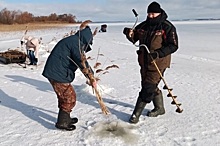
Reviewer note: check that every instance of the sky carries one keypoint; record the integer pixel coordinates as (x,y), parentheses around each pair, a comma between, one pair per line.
(29,106)
(116,10)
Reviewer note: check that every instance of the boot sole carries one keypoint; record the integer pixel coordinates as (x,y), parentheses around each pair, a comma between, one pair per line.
(133,120)
(70,128)
(148,114)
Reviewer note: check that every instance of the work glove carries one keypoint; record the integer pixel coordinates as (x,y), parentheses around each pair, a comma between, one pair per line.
(36,60)
(126,31)
(154,55)
(22,42)
(129,34)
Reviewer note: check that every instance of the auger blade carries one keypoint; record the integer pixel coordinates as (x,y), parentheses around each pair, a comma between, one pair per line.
(174,103)
(178,110)
(169,95)
(166,88)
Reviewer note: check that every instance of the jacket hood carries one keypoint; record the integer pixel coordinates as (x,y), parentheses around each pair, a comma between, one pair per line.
(86,38)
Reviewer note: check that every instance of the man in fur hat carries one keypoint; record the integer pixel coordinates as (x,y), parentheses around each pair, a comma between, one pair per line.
(160,36)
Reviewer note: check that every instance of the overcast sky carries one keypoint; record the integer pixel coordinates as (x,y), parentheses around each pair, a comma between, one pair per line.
(115,10)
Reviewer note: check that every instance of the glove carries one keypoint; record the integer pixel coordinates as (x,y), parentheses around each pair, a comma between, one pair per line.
(128,32)
(154,55)
(22,42)
(36,60)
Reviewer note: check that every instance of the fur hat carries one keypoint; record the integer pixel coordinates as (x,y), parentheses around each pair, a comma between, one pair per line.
(84,24)
(154,7)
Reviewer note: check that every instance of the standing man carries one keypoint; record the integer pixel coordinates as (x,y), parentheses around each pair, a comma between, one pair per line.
(60,69)
(160,36)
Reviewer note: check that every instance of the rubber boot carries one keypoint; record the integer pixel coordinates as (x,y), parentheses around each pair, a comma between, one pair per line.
(74,120)
(139,107)
(158,106)
(65,122)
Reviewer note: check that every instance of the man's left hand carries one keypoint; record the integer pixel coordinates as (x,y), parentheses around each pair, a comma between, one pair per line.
(154,55)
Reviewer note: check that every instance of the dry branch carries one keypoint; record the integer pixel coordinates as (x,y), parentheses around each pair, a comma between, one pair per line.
(97,65)
(111,66)
(99,70)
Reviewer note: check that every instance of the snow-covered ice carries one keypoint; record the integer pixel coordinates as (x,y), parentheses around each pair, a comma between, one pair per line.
(29,109)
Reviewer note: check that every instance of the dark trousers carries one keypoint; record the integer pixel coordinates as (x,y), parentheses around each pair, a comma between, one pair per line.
(32,57)
(149,83)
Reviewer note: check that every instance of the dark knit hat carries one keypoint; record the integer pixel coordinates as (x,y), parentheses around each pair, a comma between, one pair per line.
(154,7)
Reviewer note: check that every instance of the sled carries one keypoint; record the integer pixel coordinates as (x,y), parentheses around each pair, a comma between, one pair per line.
(12,56)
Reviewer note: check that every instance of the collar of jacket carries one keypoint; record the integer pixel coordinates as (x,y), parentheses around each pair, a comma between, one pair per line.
(158,20)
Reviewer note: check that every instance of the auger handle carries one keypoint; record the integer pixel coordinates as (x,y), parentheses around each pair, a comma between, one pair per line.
(135,13)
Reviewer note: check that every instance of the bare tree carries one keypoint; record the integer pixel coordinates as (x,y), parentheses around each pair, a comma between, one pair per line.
(11,17)
(6,16)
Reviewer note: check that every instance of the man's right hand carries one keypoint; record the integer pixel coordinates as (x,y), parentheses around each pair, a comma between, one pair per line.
(94,84)
(129,33)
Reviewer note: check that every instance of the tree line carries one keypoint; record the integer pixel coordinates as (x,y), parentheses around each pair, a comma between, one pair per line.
(19,17)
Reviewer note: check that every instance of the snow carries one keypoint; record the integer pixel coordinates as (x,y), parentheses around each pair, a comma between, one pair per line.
(29,109)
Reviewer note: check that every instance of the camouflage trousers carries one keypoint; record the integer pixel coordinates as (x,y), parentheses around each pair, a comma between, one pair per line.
(65,94)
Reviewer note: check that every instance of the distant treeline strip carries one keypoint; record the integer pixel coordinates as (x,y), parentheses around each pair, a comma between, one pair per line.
(19,17)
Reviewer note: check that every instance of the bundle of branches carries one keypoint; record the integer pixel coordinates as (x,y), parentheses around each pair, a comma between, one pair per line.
(88,73)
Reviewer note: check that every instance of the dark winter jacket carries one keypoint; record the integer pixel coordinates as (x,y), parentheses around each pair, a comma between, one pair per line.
(58,66)
(159,35)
